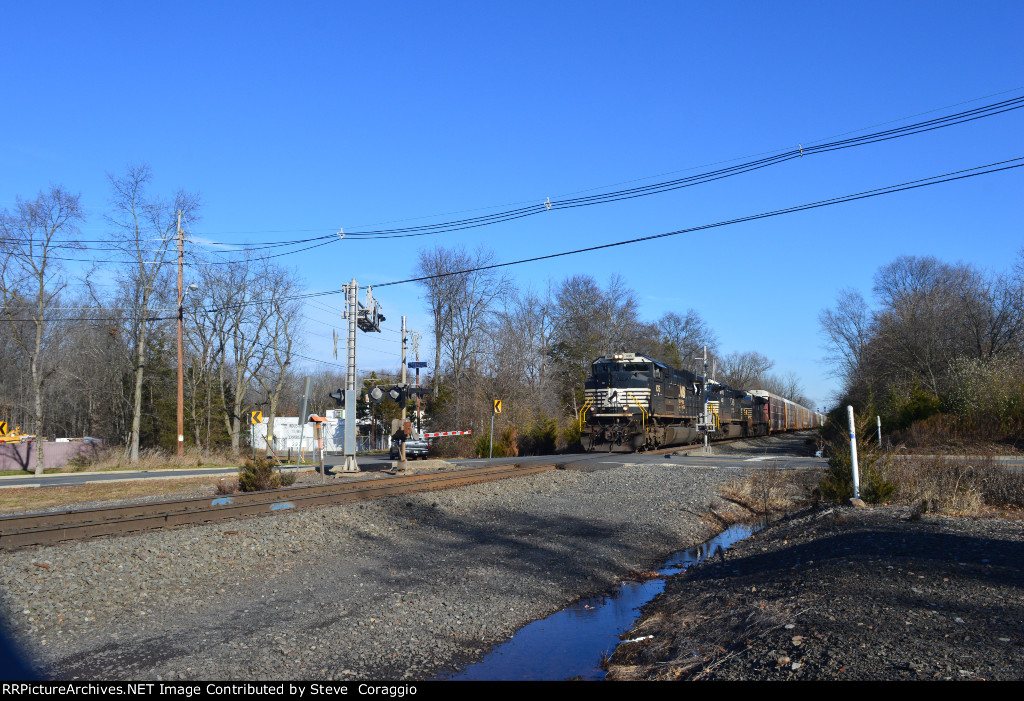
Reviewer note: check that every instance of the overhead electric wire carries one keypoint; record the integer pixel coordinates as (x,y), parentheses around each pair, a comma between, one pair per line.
(887,190)
(646,177)
(653,188)
(613,196)
(952,176)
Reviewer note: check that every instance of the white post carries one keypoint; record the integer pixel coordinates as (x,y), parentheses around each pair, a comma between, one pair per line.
(853,452)
(491,453)
(879,432)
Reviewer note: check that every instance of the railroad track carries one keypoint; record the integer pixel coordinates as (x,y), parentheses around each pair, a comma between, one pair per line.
(52,527)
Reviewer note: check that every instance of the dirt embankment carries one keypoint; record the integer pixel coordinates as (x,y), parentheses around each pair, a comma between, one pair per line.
(877,593)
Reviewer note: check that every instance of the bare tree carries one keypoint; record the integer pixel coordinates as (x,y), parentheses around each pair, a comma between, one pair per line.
(461,293)
(520,350)
(848,328)
(282,333)
(437,266)
(745,370)
(237,309)
(32,279)
(590,322)
(684,337)
(144,235)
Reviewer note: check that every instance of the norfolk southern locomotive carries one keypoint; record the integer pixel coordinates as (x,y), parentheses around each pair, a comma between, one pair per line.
(633,402)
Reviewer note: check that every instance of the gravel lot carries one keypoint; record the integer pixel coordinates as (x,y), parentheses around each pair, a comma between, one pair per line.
(874,593)
(400,588)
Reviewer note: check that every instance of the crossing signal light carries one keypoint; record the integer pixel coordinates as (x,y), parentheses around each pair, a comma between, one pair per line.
(398,394)
(375,395)
(338,397)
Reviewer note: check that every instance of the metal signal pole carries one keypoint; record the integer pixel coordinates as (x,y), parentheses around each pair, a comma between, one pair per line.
(416,352)
(704,402)
(352,311)
(181,341)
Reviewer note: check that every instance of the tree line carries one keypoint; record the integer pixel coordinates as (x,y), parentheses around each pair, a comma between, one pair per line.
(91,351)
(533,348)
(940,356)
(85,358)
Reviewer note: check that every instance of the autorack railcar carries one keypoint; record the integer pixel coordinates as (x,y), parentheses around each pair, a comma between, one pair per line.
(634,402)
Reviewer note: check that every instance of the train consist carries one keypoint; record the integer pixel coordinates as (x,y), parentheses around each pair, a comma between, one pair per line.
(633,402)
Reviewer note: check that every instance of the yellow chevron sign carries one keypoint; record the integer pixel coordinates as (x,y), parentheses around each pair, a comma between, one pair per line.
(497,406)
(257,418)
(3,428)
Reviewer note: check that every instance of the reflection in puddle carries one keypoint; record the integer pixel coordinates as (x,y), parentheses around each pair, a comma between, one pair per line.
(573,641)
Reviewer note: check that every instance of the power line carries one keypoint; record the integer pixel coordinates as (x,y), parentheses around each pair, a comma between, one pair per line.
(647,177)
(890,189)
(604,198)
(866,194)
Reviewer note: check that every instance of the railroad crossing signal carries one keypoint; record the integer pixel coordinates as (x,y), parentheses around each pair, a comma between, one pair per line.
(3,428)
(257,418)
(497,406)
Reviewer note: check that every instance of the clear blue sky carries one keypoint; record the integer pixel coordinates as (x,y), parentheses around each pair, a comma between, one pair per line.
(305,118)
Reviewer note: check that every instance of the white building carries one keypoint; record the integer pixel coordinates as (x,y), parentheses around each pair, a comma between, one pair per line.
(288,428)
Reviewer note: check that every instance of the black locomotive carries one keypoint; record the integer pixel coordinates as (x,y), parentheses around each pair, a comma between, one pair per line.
(633,402)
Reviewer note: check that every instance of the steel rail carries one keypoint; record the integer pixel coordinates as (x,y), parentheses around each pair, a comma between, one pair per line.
(40,529)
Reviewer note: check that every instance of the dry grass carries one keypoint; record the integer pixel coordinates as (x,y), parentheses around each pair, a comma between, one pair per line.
(30,499)
(771,490)
(959,486)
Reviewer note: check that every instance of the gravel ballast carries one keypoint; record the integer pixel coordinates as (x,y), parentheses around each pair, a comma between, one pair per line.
(400,588)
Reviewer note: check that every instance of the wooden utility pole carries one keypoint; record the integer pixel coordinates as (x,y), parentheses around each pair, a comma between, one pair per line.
(181,340)
(404,338)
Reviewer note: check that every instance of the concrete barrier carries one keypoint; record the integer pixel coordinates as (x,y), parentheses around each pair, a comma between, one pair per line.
(22,456)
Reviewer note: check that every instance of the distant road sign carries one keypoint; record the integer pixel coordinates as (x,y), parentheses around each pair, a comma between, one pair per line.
(257,417)
(497,406)
(3,428)
(416,364)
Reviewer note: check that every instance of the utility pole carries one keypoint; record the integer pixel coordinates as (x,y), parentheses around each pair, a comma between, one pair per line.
(404,343)
(181,341)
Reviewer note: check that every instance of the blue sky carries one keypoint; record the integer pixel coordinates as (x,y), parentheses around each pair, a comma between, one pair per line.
(293,121)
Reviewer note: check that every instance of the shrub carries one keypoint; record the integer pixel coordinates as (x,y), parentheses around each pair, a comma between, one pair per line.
(287,478)
(258,475)
(837,484)
(541,438)
(79,463)
(482,447)
(571,435)
(227,486)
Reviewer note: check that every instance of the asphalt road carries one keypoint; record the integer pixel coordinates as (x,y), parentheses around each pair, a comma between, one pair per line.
(776,450)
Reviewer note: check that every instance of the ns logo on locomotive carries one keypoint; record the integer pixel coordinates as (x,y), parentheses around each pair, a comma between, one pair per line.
(632,402)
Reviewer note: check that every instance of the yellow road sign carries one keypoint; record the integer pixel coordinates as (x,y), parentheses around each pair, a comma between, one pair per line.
(497,406)
(3,428)
(257,417)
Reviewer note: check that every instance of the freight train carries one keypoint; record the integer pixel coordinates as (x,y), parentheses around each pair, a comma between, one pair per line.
(633,402)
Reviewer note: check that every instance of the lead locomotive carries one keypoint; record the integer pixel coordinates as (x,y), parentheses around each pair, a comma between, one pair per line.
(633,402)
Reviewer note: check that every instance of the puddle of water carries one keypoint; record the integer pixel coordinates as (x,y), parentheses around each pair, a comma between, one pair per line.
(573,641)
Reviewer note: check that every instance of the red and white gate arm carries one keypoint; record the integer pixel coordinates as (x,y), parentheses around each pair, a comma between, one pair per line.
(446,433)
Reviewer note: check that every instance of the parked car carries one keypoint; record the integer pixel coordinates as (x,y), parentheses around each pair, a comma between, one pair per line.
(414,448)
